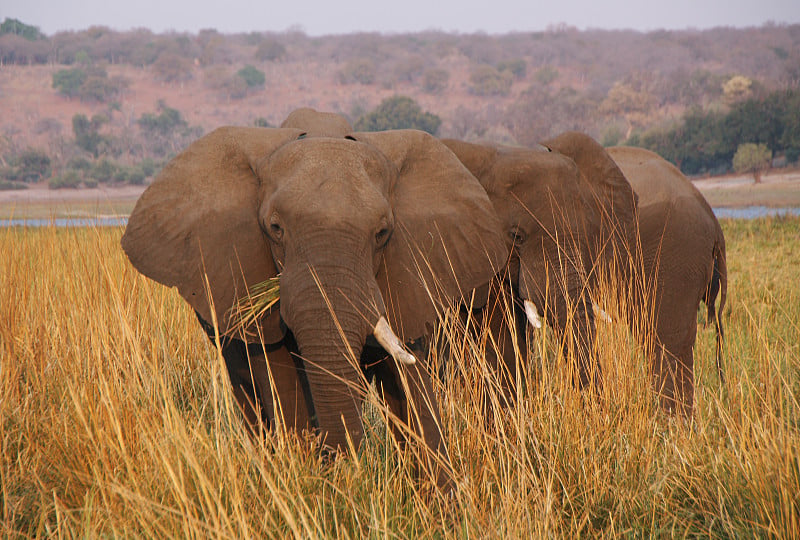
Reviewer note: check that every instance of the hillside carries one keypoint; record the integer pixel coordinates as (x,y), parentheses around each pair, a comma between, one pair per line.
(516,88)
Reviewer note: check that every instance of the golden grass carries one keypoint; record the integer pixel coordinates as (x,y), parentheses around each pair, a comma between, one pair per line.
(116,419)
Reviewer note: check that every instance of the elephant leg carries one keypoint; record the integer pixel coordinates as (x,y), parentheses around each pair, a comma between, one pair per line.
(575,325)
(506,346)
(673,370)
(260,382)
(410,398)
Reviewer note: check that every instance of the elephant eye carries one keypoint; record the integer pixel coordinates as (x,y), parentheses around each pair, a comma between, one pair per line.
(516,236)
(382,236)
(275,229)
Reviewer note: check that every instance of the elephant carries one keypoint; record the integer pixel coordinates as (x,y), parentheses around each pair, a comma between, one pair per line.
(575,213)
(370,233)
(558,219)
(321,124)
(684,262)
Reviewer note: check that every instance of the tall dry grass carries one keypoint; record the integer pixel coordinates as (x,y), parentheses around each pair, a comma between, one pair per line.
(116,419)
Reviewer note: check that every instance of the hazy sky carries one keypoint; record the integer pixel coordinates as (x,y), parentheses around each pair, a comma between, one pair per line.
(319,17)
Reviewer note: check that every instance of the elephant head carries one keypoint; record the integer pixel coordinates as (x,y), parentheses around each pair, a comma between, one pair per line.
(369,232)
(317,123)
(556,215)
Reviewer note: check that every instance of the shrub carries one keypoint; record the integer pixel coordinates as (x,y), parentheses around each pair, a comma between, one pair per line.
(69,179)
(6,185)
(518,67)
(358,71)
(752,158)
(270,51)
(252,76)
(170,67)
(398,112)
(488,81)
(546,75)
(148,166)
(68,82)
(104,170)
(434,81)
(32,165)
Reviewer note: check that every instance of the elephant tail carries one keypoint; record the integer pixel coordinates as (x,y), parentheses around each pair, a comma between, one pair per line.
(718,286)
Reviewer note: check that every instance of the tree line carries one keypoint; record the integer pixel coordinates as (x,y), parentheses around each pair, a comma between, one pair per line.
(706,141)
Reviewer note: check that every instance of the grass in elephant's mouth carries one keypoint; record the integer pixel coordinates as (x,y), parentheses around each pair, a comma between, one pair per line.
(260,299)
(117,419)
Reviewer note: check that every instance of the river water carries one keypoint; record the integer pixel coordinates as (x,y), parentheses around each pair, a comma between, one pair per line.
(748,212)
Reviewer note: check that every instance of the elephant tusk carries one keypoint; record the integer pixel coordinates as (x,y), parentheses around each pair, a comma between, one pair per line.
(533,314)
(388,340)
(600,312)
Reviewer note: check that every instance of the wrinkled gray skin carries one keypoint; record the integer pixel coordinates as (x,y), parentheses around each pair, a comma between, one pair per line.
(571,214)
(342,219)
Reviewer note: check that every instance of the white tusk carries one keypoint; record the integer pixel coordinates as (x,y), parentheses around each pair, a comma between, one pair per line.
(388,339)
(533,314)
(600,312)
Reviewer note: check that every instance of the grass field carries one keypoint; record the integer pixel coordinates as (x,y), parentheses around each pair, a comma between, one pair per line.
(116,419)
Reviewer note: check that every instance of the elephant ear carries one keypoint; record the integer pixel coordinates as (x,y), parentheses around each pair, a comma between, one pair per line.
(606,181)
(447,239)
(196,226)
(613,196)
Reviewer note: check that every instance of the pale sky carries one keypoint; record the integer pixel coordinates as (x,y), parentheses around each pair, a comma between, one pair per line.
(322,17)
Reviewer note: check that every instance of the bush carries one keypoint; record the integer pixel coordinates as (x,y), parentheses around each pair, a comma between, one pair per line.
(518,68)
(104,170)
(358,71)
(80,164)
(170,67)
(148,166)
(252,76)
(270,51)
(69,179)
(398,112)
(752,158)
(546,75)
(68,82)
(6,185)
(488,81)
(434,81)
(32,165)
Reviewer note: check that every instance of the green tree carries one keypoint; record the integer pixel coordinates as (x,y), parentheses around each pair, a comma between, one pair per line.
(398,112)
(32,165)
(164,123)
(87,133)
(68,82)
(252,76)
(13,26)
(752,158)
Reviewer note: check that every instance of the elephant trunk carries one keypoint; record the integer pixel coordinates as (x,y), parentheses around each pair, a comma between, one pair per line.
(331,311)
(556,286)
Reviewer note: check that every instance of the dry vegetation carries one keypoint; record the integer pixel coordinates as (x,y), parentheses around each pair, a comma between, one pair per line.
(116,419)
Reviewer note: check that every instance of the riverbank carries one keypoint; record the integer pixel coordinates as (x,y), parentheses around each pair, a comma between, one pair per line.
(777,189)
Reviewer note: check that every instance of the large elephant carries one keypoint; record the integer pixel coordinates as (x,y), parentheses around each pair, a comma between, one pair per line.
(683,259)
(635,219)
(558,219)
(369,231)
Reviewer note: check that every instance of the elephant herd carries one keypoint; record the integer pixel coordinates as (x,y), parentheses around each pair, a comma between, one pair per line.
(373,234)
